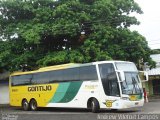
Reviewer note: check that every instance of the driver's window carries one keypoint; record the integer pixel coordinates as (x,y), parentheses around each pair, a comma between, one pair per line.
(109,79)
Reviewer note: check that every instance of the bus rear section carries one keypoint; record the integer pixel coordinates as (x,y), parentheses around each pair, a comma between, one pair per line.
(68,87)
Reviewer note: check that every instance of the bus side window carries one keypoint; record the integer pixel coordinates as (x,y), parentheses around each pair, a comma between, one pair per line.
(74,74)
(71,74)
(12,80)
(40,78)
(88,73)
(55,76)
(21,80)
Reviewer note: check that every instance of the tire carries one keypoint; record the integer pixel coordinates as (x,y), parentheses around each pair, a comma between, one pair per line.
(94,106)
(25,105)
(33,105)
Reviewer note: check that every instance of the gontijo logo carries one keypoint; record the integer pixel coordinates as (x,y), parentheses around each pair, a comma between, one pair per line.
(109,103)
(40,88)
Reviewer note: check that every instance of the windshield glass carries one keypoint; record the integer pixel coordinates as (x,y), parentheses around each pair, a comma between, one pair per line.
(126,66)
(131,85)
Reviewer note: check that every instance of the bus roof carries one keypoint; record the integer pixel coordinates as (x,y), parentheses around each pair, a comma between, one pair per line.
(63,66)
(56,67)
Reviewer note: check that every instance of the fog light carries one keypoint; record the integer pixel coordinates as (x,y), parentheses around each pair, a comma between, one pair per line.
(136,103)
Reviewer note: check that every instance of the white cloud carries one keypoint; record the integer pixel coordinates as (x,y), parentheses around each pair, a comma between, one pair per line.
(150,22)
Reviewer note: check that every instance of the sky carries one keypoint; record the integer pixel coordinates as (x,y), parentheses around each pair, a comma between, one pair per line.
(150,22)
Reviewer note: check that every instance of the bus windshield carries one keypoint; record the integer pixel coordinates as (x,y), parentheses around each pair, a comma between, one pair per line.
(131,84)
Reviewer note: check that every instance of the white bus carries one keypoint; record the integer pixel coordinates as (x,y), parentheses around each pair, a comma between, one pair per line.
(99,85)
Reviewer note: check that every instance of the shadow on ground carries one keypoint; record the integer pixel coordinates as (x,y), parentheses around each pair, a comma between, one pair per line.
(75,110)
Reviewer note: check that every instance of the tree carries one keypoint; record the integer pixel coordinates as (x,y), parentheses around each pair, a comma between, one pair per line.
(155,51)
(37,33)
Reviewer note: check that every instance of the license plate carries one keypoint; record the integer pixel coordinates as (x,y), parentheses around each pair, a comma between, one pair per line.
(132,98)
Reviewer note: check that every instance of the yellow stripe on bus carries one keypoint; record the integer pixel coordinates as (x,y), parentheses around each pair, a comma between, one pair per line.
(41,93)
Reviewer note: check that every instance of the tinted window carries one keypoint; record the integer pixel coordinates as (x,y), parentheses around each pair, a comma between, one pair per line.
(109,79)
(40,78)
(71,74)
(74,74)
(56,75)
(88,73)
(21,80)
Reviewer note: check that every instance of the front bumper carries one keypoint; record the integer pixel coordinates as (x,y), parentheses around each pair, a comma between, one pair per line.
(121,104)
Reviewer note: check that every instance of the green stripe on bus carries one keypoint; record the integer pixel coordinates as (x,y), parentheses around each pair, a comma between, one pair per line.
(60,92)
(139,96)
(71,92)
(66,92)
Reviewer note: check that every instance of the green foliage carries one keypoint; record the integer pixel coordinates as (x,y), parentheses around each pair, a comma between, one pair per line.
(36,33)
(156,51)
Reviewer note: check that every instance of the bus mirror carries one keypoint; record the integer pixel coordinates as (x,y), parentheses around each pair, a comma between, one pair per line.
(122,76)
(143,76)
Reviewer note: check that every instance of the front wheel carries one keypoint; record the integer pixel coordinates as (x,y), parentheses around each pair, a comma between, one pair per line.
(33,105)
(94,106)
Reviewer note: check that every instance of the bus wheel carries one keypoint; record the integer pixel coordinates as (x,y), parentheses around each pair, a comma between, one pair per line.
(25,105)
(33,105)
(94,105)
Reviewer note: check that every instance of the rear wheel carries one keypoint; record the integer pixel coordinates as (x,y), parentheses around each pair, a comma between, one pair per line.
(94,106)
(25,105)
(33,105)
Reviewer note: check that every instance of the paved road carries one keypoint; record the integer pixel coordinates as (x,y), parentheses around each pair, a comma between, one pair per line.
(11,113)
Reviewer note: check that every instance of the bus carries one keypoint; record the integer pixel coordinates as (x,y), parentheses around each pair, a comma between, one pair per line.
(98,85)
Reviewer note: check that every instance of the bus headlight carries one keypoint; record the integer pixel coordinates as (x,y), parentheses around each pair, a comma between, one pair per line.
(125,98)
